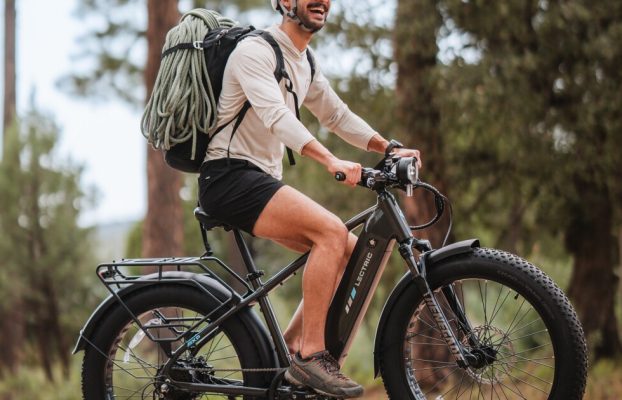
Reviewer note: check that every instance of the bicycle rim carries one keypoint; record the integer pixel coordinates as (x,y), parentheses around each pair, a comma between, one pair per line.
(134,365)
(514,344)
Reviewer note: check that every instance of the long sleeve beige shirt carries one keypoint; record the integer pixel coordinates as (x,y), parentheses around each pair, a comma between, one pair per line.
(271,123)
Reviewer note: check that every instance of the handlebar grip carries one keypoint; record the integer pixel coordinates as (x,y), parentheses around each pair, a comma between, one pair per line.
(340,176)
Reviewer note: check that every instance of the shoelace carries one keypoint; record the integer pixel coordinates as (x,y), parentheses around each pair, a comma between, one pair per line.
(328,362)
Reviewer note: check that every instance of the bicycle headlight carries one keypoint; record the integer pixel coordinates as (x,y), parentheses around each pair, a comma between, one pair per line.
(406,171)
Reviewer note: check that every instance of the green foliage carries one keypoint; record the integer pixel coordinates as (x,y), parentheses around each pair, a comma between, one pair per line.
(31,383)
(533,115)
(539,107)
(45,252)
(110,55)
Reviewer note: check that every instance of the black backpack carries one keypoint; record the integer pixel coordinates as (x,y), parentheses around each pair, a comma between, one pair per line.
(217,47)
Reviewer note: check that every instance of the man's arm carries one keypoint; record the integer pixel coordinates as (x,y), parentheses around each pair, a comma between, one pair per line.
(380,144)
(335,115)
(377,144)
(316,151)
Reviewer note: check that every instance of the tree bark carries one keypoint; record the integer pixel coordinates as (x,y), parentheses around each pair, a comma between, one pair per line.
(163,227)
(9,67)
(418,116)
(593,285)
(11,314)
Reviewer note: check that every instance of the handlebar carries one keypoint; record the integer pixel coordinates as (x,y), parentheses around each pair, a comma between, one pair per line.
(340,176)
(390,172)
(402,173)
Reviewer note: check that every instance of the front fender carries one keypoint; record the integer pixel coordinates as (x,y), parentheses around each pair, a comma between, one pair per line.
(434,257)
(214,287)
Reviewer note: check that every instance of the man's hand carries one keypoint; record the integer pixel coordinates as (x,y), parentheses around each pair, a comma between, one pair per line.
(379,144)
(401,152)
(319,153)
(352,170)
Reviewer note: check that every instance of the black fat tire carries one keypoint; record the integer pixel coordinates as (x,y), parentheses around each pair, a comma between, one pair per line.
(545,296)
(93,365)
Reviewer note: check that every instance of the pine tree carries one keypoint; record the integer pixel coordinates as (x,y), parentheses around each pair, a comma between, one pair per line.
(44,250)
(11,316)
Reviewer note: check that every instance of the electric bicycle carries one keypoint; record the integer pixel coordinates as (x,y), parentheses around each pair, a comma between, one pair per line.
(464,322)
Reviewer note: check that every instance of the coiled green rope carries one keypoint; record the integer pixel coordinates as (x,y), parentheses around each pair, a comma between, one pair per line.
(182,104)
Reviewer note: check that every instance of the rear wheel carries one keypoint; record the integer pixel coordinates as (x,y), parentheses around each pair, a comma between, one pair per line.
(124,363)
(530,344)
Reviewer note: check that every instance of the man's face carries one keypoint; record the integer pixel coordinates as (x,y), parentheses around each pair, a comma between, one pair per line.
(313,13)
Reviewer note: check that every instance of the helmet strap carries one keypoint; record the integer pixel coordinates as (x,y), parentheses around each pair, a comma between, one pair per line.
(293,15)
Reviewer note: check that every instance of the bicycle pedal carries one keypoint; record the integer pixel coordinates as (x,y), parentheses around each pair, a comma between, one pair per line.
(306,393)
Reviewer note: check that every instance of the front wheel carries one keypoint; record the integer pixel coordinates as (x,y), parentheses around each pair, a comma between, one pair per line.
(529,342)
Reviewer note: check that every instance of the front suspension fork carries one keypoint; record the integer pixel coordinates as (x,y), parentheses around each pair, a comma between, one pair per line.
(418,270)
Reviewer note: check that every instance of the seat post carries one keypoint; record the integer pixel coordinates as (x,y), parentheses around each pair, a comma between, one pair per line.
(208,248)
(253,274)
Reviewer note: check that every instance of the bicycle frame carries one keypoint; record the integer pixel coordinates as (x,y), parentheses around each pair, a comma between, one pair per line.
(383,225)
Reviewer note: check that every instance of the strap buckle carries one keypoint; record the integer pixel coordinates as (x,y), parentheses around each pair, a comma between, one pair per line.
(393,144)
(198,44)
(254,275)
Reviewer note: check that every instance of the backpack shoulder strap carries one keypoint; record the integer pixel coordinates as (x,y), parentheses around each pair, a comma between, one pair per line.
(311,60)
(279,74)
(279,71)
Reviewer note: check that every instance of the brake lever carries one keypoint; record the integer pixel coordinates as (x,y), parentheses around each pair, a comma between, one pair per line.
(369,177)
(366,182)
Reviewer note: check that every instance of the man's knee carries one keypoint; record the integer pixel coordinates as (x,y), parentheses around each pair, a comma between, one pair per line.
(334,233)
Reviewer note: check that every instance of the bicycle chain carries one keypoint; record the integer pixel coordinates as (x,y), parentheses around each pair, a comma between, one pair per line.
(228,369)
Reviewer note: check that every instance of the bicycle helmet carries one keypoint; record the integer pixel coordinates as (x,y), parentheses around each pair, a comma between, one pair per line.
(278,6)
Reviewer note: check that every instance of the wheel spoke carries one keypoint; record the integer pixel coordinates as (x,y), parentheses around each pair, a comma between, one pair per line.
(216,362)
(516,337)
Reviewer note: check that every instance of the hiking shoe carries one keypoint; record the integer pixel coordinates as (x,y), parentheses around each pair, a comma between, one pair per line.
(320,371)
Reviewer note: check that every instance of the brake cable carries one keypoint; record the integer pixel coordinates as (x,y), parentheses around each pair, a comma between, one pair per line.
(440,201)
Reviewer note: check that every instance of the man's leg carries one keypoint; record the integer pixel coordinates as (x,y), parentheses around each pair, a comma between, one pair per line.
(293,333)
(292,216)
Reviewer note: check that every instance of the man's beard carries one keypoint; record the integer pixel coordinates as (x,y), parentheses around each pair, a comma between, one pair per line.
(311,24)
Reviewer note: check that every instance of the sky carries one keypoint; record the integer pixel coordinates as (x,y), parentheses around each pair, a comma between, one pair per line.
(104,137)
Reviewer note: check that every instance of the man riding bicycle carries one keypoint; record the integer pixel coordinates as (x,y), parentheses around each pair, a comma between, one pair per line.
(240,178)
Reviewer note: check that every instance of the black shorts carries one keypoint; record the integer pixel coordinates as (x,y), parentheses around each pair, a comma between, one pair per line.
(236,192)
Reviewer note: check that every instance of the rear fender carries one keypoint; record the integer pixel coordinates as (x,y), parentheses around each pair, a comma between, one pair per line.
(214,287)
(255,327)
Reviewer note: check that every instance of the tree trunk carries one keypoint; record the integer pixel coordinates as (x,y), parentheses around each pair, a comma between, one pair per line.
(418,119)
(12,334)
(163,227)
(418,116)
(11,314)
(9,67)
(54,327)
(593,284)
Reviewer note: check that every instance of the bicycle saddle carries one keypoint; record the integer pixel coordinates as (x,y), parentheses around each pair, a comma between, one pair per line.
(207,221)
